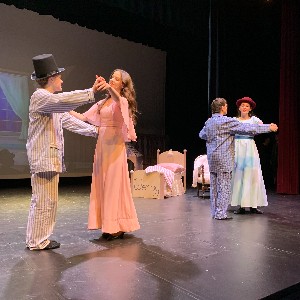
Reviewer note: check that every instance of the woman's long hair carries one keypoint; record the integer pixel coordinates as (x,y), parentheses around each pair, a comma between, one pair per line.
(128,92)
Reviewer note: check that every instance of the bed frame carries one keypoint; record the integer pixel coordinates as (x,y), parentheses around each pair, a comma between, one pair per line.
(152,185)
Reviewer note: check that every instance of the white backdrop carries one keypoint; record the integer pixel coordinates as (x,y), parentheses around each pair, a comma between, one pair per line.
(83,53)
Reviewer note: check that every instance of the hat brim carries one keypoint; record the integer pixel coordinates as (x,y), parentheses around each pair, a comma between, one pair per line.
(34,77)
(240,101)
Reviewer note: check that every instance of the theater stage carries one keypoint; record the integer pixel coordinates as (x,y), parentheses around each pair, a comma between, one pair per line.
(180,252)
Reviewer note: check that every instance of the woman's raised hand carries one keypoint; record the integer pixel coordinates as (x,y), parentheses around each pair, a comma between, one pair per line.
(100,84)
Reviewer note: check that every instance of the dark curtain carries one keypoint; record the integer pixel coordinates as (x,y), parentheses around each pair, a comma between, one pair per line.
(154,10)
(213,55)
(289,120)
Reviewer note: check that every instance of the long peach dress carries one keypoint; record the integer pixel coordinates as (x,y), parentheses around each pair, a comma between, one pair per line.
(111,205)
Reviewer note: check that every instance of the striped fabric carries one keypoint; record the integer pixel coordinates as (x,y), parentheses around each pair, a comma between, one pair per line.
(43,207)
(45,143)
(43,101)
(48,115)
(168,174)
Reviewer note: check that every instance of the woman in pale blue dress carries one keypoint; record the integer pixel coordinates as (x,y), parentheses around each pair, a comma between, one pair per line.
(248,188)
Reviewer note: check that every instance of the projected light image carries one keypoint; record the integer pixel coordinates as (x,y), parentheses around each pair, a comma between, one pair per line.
(14,101)
(67,42)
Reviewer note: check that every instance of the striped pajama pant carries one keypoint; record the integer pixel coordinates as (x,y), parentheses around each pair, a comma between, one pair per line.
(43,208)
(220,192)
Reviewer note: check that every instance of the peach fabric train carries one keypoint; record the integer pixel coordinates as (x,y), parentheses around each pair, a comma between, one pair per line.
(111,205)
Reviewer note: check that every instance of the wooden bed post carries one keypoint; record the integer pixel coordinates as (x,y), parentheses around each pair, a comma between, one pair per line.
(184,179)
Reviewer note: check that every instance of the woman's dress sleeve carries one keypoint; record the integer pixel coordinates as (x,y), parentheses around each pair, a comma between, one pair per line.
(92,115)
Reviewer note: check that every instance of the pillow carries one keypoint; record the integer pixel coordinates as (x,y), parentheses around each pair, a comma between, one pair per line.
(176,168)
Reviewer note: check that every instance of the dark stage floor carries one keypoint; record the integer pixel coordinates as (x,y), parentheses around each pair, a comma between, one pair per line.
(180,252)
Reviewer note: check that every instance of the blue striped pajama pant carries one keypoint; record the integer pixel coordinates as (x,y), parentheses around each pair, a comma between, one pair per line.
(43,208)
(220,192)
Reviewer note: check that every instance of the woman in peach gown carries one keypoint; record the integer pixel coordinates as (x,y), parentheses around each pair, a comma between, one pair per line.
(111,204)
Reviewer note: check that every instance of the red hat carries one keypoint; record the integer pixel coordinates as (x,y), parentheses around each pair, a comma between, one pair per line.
(247,100)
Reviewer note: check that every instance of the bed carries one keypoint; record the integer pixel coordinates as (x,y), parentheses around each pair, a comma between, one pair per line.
(201,175)
(165,179)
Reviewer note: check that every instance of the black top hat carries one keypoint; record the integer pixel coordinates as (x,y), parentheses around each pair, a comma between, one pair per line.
(44,66)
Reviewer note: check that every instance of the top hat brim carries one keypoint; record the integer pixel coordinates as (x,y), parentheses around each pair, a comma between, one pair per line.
(42,76)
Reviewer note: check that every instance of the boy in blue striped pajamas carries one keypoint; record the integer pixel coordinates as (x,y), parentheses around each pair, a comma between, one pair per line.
(219,132)
(48,115)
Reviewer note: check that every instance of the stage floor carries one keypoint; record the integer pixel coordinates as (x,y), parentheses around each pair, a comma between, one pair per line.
(180,252)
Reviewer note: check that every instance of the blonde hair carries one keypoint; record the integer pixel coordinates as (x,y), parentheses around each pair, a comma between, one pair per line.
(217,104)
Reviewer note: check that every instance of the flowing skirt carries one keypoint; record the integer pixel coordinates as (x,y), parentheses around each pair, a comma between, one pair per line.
(248,188)
(111,204)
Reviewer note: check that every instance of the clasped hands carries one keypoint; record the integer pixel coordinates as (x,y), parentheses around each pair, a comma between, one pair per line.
(100,84)
(273,127)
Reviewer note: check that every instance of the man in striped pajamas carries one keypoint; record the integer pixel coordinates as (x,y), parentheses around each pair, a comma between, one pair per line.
(218,132)
(48,115)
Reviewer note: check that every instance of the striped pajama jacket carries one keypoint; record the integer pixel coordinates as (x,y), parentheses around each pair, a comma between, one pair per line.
(218,132)
(48,115)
